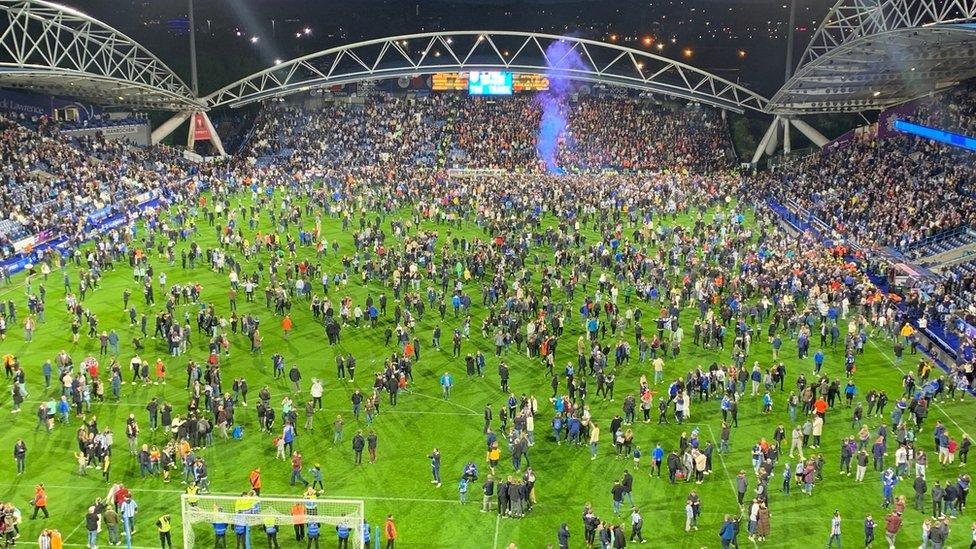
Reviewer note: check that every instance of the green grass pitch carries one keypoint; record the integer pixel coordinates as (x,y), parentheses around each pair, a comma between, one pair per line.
(399,482)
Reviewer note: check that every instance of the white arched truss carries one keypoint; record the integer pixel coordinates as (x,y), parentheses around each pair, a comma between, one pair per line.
(870,54)
(51,48)
(521,52)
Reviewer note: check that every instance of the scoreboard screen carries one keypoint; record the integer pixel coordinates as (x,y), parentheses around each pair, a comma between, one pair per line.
(490,83)
(461,81)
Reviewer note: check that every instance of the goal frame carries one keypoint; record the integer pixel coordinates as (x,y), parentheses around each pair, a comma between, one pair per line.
(356,519)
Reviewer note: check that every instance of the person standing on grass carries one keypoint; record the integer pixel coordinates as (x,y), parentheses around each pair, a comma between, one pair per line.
(435,467)
(834,530)
(295,376)
(762,522)
(40,501)
(892,526)
(657,456)
(488,490)
(313,535)
(627,481)
(20,455)
(296,469)
(594,439)
(316,392)
(316,472)
(337,426)
(727,532)
(391,532)
(371,441)
(358,443)
(921,489)
(342,532)
(692,511)
(286,326)
(163,526)
(255,480)
(463,490)
(868,530)
(92,520)
(562,536)
(446,383)
(636,524)
(617,493)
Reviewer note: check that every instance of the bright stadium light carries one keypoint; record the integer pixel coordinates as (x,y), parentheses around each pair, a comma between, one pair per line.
(254,39)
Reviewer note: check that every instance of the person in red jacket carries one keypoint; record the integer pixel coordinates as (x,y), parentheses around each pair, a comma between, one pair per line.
(391,532)
(892,526)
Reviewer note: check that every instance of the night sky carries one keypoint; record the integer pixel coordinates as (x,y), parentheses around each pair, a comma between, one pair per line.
(742,40)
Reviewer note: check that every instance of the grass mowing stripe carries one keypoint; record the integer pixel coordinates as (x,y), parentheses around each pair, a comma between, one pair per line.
(498,523)
(721,458)
(71,533)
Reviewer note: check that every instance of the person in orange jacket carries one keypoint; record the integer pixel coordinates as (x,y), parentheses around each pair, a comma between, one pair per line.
(391,532)
(255,480)
(160,372)
(40,501)
(287,325)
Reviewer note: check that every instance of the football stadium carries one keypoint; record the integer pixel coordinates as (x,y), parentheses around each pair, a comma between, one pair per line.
(487,274)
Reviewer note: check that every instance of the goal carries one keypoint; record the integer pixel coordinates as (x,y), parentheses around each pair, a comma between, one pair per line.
(249,516)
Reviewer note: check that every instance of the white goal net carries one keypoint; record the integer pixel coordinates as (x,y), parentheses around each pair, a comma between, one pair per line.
(251,521)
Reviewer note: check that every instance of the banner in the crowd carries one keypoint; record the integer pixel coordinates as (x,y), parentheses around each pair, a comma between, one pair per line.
(475,172)
(200,130)
(886,120)
(25,243)
(31,104)
(839,143)
(137,134)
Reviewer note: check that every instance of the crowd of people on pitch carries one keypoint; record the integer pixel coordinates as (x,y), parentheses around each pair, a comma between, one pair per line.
(739,280)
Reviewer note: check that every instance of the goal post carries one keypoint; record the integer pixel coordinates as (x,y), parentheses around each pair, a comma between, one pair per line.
(205,517)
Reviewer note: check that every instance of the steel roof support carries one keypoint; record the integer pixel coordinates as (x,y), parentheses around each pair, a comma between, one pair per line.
(66,50)
(520,52)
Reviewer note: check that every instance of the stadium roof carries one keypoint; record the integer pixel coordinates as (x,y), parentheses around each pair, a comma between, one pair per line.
(51,48)
(522,52)
(871,54)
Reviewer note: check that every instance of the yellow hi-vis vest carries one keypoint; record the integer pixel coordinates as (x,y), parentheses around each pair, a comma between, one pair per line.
(163,524)
(192,493)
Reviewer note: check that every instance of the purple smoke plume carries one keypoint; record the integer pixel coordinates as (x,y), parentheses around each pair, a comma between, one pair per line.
(562,57)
